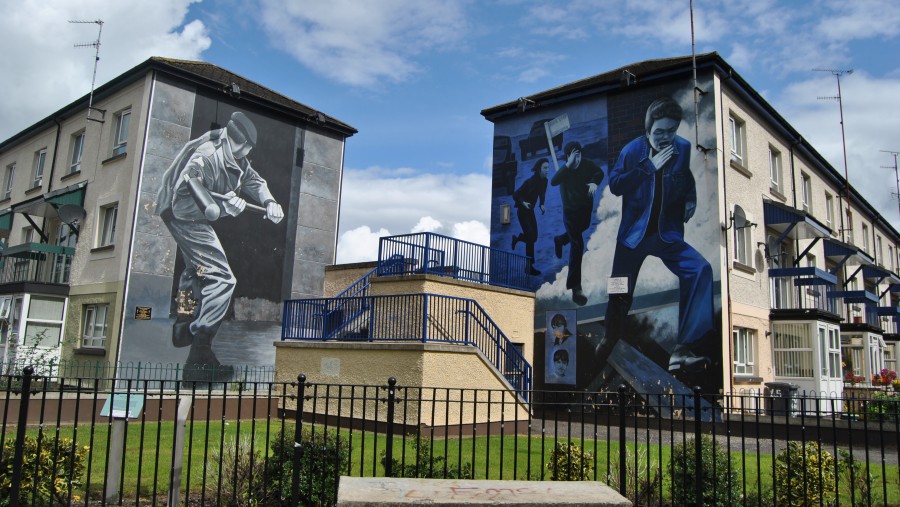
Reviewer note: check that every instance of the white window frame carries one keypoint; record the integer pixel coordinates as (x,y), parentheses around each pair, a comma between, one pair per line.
(805,192)
(848,227)
(879,250)
(107,230)
(744,343)
(37,174)
(738,140)
(10,178)
(865,238)
(792,350)
(829,210)
(120,135)
(96,326)
(77,152)
(776,176)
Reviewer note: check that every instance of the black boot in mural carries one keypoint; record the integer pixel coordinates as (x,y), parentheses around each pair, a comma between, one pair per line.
(202,365)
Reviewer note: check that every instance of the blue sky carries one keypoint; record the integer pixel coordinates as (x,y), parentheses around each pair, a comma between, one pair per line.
(413,76)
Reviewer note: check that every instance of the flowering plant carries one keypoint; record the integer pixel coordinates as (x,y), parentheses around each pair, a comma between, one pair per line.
(888,376)
(853,379)
(896,384)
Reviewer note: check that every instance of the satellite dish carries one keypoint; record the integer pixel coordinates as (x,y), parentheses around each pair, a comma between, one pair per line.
(71,214)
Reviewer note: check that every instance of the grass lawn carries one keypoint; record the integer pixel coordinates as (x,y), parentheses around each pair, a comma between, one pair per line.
(148,457)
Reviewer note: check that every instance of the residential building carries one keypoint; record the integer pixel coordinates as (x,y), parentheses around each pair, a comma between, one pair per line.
(741,256)
(108,256)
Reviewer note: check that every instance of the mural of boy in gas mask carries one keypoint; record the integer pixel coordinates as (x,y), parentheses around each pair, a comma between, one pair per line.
(205,182)
(653,176)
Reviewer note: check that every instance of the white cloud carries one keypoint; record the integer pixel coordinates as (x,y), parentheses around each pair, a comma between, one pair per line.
(44,71)
(427,224)
(363,43)
(408,200)
(359,245)
(473,231)
(868,124)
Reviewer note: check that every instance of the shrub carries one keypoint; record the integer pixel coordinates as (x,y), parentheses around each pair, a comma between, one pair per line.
(642,478)
(51,469)
(718,473)
(568,462)
(883,407)
(323,454)
(427,465)
(853,473)
(804,476)
(239,479)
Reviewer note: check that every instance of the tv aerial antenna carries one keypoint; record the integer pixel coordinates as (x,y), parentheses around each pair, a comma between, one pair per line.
(894,167)
(837,73)
(96,45)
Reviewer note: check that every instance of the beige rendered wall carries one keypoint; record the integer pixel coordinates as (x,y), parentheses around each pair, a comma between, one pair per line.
(512,310)
(454,371)
(339,277)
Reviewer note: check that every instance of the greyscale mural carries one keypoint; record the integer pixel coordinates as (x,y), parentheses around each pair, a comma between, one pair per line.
(623,244)
(230,216)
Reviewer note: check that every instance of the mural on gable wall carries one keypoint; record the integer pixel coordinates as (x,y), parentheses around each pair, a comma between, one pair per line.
(624,232)
(213,244)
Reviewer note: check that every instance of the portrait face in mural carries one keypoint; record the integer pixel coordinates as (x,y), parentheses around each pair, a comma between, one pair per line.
(208,181)
(560,348)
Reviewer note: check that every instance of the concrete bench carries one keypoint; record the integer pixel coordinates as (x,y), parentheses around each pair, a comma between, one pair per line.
(382,491)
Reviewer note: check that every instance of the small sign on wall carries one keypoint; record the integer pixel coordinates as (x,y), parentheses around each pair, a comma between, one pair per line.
(142,313)
(617,285)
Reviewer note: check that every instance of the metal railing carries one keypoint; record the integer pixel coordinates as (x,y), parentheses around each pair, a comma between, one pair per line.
(288,443)
(36,263)
(408,317)
(431,253)
(158,374)
(800,289)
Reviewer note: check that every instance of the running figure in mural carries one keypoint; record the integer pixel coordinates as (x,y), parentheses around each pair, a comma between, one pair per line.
(204,182)
(653,176)
(578,180)
(532,193)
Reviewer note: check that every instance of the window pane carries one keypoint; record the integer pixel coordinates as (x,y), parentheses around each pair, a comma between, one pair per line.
(45,308)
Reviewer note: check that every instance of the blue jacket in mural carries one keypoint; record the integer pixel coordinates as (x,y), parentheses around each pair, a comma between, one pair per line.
(633,178)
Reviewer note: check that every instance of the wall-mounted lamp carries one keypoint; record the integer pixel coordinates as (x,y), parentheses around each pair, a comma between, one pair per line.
(233,89)
(505,214)
(524,104)
(628,78)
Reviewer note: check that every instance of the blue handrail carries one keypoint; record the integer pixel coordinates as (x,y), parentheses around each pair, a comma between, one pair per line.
(409,317)
(445,256)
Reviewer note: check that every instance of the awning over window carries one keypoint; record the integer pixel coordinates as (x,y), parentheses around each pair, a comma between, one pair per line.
(844,253)
(48,204)
(879,274)
(805,276)
(792,222)
(854,296)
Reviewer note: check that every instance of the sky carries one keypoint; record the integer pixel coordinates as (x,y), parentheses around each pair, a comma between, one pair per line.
(413,76)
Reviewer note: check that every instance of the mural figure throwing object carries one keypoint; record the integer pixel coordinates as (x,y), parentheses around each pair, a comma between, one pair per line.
(578,180)
(531,193)
(653,176)
(204,183)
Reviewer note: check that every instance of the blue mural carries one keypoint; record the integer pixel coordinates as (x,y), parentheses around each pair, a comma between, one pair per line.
(607,205)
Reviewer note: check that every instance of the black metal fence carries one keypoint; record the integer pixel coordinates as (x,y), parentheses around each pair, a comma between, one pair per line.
(78,443)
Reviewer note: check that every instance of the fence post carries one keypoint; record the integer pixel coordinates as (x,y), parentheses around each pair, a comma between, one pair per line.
(19,452)
(424,318)
(623,486)
(389,442)
(298,450)
(698,451)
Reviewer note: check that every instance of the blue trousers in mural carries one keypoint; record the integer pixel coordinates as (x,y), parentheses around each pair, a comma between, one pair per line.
(695,283)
